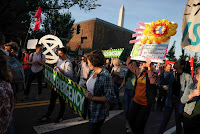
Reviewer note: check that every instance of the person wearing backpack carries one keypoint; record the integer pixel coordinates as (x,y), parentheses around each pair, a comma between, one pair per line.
(37,61)
(15,67)
(64,66)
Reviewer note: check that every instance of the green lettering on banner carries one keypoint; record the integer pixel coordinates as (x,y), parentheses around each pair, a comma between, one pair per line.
(114,53)
(69,91)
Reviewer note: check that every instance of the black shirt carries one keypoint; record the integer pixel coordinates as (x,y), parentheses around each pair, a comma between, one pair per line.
(176,88)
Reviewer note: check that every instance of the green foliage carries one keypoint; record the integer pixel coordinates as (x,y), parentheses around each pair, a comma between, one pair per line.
(171,53)
(16,15)
(183,55)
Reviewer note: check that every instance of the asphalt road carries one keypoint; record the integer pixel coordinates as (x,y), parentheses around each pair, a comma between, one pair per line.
(27,114)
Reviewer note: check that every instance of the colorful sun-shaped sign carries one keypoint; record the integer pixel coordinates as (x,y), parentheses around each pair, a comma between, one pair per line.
(159,31)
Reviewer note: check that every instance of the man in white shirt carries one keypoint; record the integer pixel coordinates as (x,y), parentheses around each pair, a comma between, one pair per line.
(37,61)
(63,66)
(84,72)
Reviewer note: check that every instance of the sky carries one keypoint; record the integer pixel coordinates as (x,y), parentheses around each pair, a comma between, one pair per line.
(135,11)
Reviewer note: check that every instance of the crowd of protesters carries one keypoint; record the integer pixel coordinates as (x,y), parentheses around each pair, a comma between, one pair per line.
(144,84)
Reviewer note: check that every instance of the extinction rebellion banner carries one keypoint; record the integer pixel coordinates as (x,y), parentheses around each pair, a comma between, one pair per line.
(69,90)
(112,53)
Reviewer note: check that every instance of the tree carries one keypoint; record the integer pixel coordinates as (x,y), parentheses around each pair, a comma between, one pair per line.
(183,55)
(16,15)
(171,53)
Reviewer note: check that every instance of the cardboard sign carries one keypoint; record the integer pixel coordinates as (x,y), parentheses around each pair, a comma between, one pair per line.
(113,53)
(154,52)
(190,26)
(69,90)
(31,44)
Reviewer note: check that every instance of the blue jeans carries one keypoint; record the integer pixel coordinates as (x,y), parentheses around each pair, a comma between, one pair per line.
(128,99)
(167,114)
(116,91)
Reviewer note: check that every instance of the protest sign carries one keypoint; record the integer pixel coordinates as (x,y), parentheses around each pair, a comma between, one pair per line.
(31,44)
(152,40)
(112,53)
(51,44)
(66,88)
(190,26)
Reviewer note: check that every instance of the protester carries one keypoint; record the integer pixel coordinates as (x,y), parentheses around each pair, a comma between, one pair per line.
(15,67)
(74,63)
(26,67)
(108,65)
(99,91)
(143,99)
(37,61)
(84,71)
(177,81)
(6,96)
(117,76)
(63,66)
(129,82)
(2,41)
(191,121)
(162,86)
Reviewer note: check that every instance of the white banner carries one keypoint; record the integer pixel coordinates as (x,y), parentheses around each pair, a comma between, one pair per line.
(32,43)
(190,26)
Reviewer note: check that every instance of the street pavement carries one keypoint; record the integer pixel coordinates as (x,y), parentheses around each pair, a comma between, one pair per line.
(27,114)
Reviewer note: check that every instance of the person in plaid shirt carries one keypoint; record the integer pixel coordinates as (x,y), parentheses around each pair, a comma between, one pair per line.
(6,96)
(100,91)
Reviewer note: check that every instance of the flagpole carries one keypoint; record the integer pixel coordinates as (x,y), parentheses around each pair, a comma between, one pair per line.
(28,32)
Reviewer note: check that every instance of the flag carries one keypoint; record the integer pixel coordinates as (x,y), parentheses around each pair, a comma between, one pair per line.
(38,16)
(191,65)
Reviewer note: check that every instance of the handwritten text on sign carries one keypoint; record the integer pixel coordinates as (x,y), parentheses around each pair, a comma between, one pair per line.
(154,52)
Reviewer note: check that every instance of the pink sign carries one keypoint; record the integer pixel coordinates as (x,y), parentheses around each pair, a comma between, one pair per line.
(141,23)
(166,52)
(137,34)
(134,41)
(139,29)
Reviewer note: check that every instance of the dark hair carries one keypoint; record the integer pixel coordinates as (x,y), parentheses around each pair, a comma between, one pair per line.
(96,58)
(38,45)
(169,64)
(13,45)
(63,49)
(2,39)
(4,74)
(186,68)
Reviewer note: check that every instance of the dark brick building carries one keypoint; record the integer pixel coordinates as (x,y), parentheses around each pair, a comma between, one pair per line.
(100,35)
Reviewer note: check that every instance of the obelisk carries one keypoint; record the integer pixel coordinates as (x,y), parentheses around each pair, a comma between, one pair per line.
(121,16)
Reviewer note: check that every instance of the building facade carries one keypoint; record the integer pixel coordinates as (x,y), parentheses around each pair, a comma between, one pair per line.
(100,35)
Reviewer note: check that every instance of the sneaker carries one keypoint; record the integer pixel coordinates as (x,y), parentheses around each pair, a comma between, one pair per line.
(25,97)
(57,120)
(45,118)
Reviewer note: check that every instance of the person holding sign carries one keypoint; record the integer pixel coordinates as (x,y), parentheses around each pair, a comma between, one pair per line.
(99,91)
(177,82)
(191,121)
(64,66)
(142,99)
